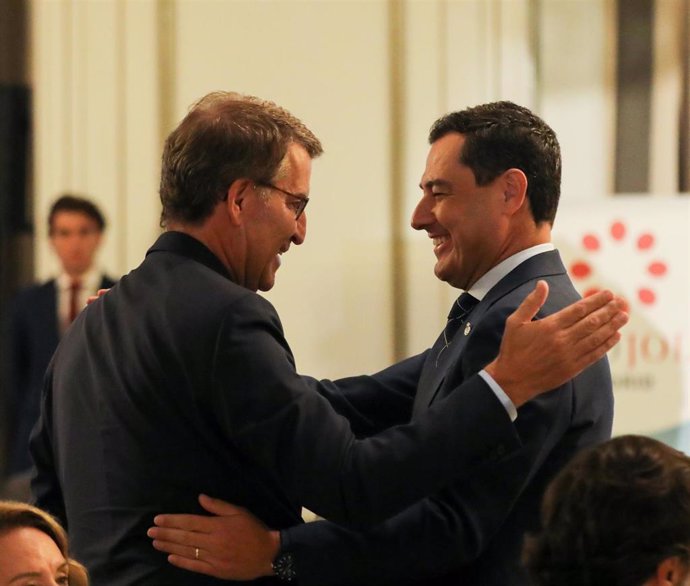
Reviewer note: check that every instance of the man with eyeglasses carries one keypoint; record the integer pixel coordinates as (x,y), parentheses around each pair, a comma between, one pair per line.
(297,202)
(180,381)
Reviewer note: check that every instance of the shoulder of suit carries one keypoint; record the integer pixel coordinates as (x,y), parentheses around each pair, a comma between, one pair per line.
(36,289)
(561,294)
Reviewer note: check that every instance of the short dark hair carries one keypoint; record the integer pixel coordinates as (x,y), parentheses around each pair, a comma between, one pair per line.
(224,137)
(73,203)
(613,515)
(501,136)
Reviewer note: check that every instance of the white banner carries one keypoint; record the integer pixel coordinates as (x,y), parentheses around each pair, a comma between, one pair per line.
(638,247)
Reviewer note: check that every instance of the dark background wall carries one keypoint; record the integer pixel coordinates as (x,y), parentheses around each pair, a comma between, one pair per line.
(16,254)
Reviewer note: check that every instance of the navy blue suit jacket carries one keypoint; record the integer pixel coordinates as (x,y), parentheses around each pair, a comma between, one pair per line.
(179,381)
(30,342)
(470,533)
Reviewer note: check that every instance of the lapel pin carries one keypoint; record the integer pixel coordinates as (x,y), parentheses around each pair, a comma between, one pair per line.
(468,328)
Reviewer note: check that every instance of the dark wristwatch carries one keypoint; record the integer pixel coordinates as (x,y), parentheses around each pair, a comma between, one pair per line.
(284,563)
(284,566)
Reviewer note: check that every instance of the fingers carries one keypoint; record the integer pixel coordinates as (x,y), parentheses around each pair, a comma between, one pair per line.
(175,548)
(200,523)
(531,305)
(599,325)
(178,536)
(184,553)
(219,507)
(98,294)
(576,312)
(584,360)
(597,332)
(196,523)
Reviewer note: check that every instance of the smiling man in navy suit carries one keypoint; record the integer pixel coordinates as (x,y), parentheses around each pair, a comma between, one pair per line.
(38,318)
(490,192)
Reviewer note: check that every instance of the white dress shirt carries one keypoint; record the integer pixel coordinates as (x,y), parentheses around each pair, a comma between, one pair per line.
(479,291)
(90,283)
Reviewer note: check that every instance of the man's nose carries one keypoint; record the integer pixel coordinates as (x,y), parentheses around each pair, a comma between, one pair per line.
(422,216)
(300,229)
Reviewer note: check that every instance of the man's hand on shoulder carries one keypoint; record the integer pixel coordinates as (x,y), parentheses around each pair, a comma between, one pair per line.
(232,544)
(536,356)
(98,294)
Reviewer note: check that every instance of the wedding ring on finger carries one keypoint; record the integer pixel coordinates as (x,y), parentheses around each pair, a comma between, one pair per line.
(196,553)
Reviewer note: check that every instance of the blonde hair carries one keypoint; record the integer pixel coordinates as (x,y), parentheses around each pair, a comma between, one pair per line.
(16,515)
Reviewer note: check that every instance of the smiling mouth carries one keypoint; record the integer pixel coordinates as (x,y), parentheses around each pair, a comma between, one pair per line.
(438,242)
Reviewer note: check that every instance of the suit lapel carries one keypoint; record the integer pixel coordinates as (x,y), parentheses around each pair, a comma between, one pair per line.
(432,380)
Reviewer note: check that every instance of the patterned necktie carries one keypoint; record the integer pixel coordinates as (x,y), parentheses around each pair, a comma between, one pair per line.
(74,289)
(456,317)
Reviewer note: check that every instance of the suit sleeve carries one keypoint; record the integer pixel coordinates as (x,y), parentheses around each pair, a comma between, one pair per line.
(45,485)
(272,416)
(454,526)
(374,403)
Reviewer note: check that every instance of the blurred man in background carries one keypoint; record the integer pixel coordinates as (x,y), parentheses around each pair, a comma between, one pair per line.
(39,316)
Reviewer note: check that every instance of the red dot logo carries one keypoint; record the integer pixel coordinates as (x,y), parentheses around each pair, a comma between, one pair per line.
(618,230)
(645,242)
(580,269)
(641,245)
(646,296)
(657,268)
(590,242)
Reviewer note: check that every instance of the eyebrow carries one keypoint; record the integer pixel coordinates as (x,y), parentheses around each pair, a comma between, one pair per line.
(62,567)
(435,183)
(24,575)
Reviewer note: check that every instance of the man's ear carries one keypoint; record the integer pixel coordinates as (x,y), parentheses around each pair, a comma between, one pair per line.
(514,189)
(237,193)
(670,572)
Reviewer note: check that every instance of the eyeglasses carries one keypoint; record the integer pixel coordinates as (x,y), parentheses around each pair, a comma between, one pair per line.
(297,203)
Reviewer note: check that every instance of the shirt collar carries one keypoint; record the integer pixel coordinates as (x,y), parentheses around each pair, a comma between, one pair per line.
(90,280)
(489,279)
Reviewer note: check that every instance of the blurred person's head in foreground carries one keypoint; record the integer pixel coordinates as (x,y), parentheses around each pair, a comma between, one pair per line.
(617,515)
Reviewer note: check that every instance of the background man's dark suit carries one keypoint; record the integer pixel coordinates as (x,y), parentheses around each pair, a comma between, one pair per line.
(33,335)
(472,532)
(179,381)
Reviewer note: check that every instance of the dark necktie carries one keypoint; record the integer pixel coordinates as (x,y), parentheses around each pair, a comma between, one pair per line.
(456,317)
(74,289)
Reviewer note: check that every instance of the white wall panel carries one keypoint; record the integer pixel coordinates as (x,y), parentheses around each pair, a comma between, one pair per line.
(577,90)
(327,62)
(666,96)
(141,134)
(95,120)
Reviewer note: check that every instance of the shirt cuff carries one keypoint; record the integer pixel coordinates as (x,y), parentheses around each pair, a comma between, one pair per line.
(500,394)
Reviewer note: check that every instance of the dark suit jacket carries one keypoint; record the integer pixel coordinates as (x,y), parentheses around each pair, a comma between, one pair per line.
(31,339)
(177,382)
(470,534)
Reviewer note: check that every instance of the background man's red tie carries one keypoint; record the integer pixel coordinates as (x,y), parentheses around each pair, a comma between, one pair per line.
(74,300)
